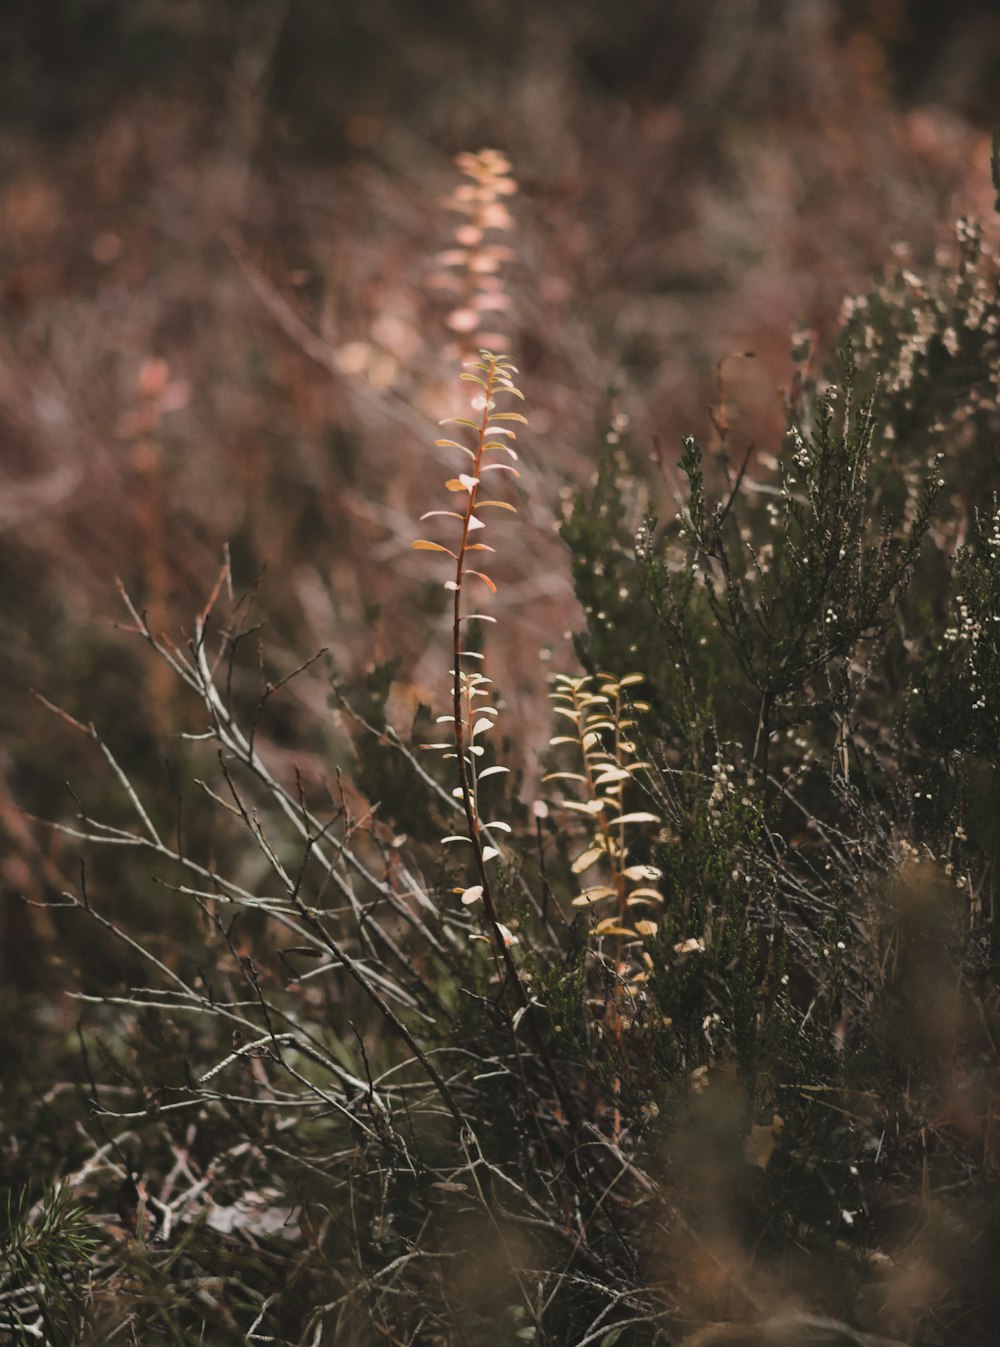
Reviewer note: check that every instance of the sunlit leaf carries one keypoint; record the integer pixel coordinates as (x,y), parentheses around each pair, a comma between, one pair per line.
(594,895)
(454,444)
(586,860)
(422,545)
(485,579)
(472,895)
(640,817)
(609,926)
(642,872)
(492,771)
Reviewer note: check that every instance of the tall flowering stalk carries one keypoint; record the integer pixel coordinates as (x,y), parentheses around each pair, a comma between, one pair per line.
(473,265)
(489,434)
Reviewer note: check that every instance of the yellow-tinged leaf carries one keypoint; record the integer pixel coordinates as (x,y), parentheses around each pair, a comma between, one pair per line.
(646,928)
(472,895)
(630,679)
(596,893)
(584,806)
(639,817)
(642,872)
(454,444)
(645,895)
(586,859)
(498,504)
(610,926)
(485,578)
(422,545)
